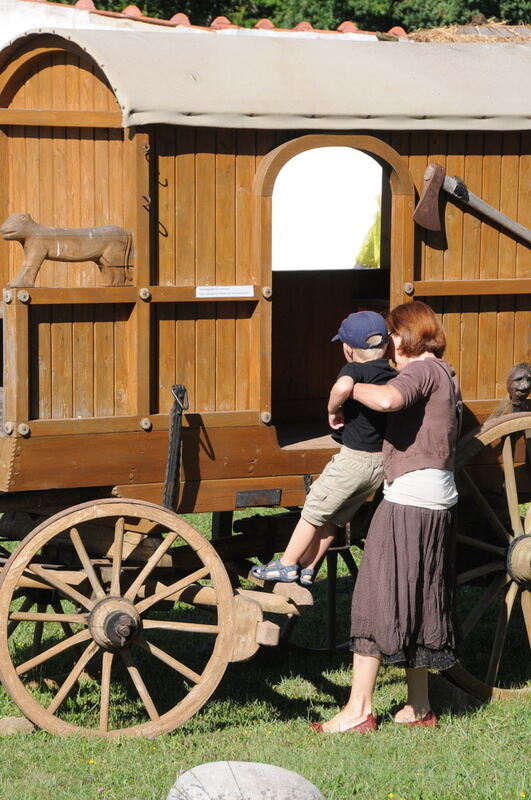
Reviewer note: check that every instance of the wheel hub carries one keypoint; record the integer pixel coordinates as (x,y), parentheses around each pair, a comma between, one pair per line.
(519,559)
(114,623)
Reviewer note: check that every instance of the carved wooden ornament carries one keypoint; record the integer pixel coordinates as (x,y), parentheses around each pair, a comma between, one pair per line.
(109,246)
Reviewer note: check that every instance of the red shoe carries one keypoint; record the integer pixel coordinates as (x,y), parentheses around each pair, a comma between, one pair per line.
(368,725)
(429,720)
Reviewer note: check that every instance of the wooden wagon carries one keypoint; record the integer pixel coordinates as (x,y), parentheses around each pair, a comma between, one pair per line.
(176,140)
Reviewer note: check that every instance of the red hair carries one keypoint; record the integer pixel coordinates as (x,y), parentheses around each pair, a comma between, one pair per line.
(420,330)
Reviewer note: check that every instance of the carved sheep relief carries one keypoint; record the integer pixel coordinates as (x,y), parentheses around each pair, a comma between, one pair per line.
(109,246)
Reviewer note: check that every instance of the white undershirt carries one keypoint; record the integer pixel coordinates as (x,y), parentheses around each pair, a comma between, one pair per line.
(424,488)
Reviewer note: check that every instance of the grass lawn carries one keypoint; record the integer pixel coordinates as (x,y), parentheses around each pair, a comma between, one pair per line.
(260,712)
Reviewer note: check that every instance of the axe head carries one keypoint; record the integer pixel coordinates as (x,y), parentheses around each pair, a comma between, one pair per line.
(426,213)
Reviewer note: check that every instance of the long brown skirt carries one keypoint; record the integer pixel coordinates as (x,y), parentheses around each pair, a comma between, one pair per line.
(403,601)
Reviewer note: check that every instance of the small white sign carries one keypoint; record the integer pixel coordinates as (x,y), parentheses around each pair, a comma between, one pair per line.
(224,291)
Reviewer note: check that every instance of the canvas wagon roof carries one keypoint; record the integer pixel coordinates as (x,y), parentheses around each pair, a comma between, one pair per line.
(264,79)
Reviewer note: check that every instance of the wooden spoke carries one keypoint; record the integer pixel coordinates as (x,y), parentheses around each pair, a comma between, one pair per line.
(525,598)
(501,631)
(38,616)
(51,578)
(169,660)
(37,631)
(183,627)
(150,565)
(117,554)
(479,544)
(86,563)
(79,619)
(140,686)
(66,687)
(488,513)
(477,572)
(169,590)
(511,490)
(66,644)
(483,603)
(26,605)
(105,697)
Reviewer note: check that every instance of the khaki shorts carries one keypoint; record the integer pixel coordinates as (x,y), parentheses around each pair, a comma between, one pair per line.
(343,486)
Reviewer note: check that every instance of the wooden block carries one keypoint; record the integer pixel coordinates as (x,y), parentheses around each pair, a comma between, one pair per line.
(268,633)
(247,615)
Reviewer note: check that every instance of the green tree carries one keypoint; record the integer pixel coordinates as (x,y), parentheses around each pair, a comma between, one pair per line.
(377,15)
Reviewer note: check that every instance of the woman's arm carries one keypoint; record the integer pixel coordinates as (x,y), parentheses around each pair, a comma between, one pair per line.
(379,398)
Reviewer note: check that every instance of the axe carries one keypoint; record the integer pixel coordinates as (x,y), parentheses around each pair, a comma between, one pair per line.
(427,215)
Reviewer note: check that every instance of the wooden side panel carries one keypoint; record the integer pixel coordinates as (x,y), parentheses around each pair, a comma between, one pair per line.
(486,335)
(204,221)
(63,70)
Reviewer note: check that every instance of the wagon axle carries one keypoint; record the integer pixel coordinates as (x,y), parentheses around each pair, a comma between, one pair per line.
(114,622)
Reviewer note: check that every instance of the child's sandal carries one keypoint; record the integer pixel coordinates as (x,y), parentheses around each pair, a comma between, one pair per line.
(306,576)
(276,571)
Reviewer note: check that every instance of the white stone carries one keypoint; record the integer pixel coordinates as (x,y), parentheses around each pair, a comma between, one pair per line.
(12,725)
(242,780)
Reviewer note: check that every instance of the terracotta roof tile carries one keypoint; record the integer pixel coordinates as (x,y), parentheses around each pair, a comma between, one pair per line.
(220,23)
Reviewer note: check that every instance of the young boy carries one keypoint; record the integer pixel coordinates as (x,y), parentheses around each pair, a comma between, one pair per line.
(356,471)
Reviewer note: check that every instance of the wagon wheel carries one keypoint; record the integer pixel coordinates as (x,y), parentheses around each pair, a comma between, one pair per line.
(494,558)
(117,644)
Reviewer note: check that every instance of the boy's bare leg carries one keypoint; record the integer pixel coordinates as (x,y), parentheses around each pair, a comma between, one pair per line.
(308,543)
(301,539)
(359,705)
(319,546)
(418,703)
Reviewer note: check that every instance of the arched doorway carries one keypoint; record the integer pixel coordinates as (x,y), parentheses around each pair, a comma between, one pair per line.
(312,293)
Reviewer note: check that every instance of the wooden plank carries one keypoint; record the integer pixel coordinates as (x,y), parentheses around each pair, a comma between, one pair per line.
(83,361)
(87,217)
(183,338)
(62,367)
(61,270)
(72,119)
(487,287)
(160,422)
(126,326)
(136,370)
(225,269)
(524,202)
(488,306)
(166,188)
(4,204)
(203,396)
(436,240)
(104,363)
(217,495)
(16,363)
(453,256)
(82,295)
(507,260)
(468,367)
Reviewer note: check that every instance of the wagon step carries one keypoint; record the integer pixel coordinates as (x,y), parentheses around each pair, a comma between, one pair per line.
(291,591)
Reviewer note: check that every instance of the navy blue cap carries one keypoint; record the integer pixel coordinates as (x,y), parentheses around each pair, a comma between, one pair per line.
(358,327)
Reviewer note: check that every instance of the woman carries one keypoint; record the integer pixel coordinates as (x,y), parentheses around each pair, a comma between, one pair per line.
(402,606)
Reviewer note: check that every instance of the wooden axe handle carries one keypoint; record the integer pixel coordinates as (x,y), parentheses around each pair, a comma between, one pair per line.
(427,213)
(457,188)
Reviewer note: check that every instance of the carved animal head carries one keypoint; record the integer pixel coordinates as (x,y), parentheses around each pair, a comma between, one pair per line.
(17,227)
(519,384)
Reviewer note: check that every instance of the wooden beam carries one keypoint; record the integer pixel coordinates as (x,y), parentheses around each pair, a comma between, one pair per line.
(48,296)
(61,119)
(484,286)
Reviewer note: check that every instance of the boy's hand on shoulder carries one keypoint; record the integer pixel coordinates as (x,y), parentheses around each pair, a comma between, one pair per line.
(337,419)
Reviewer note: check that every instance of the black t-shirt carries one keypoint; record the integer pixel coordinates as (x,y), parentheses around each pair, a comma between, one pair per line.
(364,428)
